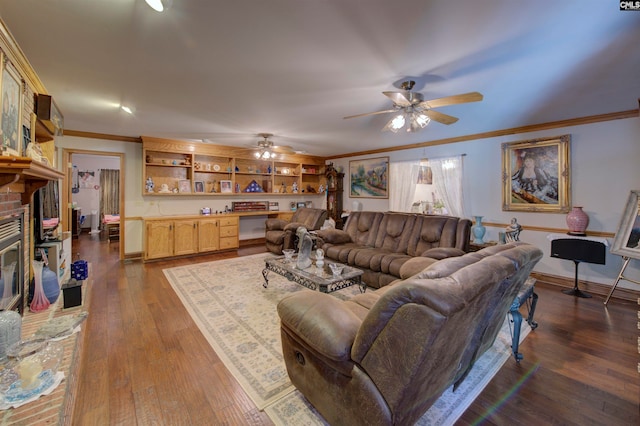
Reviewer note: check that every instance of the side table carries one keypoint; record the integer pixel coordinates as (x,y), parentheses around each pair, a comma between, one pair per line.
(475,247)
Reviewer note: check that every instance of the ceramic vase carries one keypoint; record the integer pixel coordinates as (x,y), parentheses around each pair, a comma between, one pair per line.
(577,221)
(40,301)
(478,230)
(50,284)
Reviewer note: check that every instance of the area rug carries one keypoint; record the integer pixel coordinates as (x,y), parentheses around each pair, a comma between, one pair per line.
(238,317)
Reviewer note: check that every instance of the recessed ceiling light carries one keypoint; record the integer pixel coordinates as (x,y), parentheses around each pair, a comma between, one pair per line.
(126,109)
(155,5)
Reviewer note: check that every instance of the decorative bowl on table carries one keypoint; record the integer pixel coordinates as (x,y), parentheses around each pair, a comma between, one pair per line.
(288,254)
(31,369)
(336,269)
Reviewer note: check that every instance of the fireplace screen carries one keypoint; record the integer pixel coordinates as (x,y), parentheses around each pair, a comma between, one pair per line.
(11,269)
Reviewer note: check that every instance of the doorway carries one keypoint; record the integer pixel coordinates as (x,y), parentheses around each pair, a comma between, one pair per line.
(71,185)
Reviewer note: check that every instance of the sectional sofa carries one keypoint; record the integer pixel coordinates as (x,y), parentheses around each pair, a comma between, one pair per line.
(389,245)
(385,356)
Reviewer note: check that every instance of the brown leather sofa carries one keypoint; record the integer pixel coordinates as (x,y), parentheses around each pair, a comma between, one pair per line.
(388,246)
(384,357)
(280,234)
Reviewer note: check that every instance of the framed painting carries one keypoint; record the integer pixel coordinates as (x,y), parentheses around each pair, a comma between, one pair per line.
(184,186)
(11,104)
(199,186)
(369,178)
(536,175)
(626,243)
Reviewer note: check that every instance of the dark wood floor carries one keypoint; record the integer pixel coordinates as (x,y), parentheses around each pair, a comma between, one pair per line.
(146,363)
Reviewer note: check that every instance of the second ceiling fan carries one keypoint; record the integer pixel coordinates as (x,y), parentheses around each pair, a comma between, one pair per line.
(411,107)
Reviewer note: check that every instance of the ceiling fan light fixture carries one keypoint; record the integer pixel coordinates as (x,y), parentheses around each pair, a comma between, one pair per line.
(155,5)
(396,123)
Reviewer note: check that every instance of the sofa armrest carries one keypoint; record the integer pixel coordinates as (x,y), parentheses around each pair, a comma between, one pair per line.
(275,224)
(442,252)
(334,236)
(321,321)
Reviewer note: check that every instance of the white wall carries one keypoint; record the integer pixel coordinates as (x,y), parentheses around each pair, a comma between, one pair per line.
(604,169)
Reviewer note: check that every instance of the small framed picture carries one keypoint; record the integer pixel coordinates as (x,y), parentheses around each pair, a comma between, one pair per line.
(184,185)
(198,186)
(226,186)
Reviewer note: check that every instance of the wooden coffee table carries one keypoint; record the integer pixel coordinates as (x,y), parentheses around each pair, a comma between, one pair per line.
(314,278)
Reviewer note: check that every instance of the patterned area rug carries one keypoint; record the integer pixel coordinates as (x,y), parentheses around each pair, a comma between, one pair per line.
(238,317)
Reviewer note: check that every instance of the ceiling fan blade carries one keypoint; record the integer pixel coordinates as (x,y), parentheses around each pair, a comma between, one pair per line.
(283,148)
(453,100)
(399,98)
(386,111)
(440,117)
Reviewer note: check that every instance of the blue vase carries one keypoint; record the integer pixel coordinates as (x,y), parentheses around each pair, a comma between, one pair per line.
(478,230)
(50,284)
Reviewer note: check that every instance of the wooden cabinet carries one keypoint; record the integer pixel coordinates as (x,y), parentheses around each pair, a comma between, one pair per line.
(209,235)
(178,168)
(334,195)
(180,236)
(185,237)
(158,239)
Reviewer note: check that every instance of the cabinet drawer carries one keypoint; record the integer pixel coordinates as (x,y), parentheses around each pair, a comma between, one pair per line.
(228,221)
(228,231)
(228,242)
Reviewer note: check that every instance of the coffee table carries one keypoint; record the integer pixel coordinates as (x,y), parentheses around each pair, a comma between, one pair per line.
(315,278)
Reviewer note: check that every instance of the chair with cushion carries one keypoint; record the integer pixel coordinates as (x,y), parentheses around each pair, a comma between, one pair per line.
(280,234)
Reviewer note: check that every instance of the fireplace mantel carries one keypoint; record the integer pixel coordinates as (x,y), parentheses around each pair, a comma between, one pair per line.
(27,173)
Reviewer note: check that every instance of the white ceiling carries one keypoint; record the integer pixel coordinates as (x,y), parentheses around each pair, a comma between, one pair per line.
(227,70)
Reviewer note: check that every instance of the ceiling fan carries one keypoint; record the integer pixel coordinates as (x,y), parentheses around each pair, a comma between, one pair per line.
(267,150)
(411,107)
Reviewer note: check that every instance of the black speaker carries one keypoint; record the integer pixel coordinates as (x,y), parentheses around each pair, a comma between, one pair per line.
(578,249)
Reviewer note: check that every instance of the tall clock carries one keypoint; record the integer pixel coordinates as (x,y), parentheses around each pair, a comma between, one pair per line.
(334,194)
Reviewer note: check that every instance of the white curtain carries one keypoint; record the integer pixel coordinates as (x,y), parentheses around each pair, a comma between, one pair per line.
(402,185)
(447,178)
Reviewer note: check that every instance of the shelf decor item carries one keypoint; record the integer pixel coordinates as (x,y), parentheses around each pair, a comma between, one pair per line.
(577,222)
(40,301)
(478,230)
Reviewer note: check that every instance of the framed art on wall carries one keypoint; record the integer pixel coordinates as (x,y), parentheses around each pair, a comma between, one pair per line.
(627,240)
(536,175)
(11,105)
(369,178)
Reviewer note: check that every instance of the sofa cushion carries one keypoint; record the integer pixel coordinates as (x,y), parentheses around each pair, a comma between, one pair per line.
(394,232)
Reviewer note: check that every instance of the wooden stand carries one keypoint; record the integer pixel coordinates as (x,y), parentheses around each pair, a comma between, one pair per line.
(621,277)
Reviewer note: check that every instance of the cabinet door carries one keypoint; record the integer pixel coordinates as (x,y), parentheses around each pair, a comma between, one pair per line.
(208,235)
(185,237)
(159,239)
